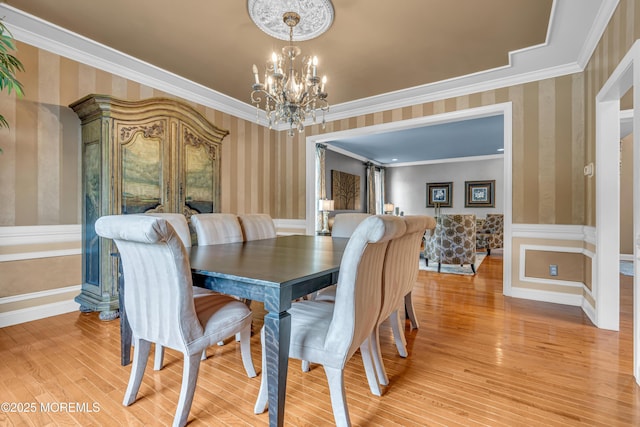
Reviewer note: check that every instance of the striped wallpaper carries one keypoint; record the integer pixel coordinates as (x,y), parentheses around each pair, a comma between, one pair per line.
(264,170)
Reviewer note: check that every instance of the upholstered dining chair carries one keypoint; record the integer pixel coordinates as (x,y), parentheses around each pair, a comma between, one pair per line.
(257,226)
(328,294)
(344,224)
(217,228)
(181,227)
(158,298)
(408,297)
(453,241)
(330,333)
(399,276)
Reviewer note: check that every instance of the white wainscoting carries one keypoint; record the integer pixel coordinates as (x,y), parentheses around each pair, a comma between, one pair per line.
(574,233)
(38,235)
(48,234)
(286,227)
(39,311)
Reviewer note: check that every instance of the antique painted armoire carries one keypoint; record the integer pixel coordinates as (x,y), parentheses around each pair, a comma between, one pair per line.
(154,155)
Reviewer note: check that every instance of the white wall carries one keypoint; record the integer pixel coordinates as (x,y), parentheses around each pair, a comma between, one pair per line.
(407,185)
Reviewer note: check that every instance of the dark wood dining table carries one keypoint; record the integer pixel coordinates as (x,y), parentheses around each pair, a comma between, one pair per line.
(275,272)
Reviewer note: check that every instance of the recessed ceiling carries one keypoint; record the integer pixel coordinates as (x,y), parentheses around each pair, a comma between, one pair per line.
(469,138)
(373,47)
(377,54)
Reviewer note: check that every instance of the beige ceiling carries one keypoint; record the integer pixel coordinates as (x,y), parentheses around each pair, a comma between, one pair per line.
(373,47)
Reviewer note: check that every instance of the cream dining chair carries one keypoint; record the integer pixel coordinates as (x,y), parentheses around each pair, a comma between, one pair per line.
(399,276)
(217,228)
(344,224)
(181,227)
(330,333)
(161,307)
(257,226)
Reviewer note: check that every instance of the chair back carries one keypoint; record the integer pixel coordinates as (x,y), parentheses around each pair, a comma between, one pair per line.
(344,224)
(359,289)
(401,263)
(495,222)
(453,240)
(158,293)
(257,226)
(217,228)
(179,224)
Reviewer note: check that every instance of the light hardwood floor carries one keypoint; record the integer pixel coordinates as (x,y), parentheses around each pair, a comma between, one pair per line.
(478,359)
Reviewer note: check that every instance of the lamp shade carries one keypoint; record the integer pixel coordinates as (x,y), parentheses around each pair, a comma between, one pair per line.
(388,207)
(325,205)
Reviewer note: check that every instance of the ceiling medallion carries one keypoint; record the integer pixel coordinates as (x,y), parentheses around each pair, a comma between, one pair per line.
(316,16)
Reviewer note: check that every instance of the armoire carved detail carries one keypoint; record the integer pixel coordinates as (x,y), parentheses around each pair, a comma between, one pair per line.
(153,155)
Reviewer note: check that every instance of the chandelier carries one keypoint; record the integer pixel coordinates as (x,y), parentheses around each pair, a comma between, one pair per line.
(289,94)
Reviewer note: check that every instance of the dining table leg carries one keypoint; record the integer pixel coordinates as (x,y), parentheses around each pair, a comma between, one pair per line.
(277,324)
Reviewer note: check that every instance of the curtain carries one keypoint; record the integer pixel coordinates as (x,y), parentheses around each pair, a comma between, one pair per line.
(321,191)
(383,191)
(371,188)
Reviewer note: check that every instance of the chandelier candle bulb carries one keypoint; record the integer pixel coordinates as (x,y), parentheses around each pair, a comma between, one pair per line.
(324,80)
(255,74)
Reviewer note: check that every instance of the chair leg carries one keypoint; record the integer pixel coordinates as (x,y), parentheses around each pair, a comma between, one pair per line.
(188,388)
(473,268)
(439,265)
(398,333)
(158,358)
(140,356)
(306,366)
(245,349)
(370,364)
(263,393)
(335,377)
(376,356)
(488,251)
(411,313)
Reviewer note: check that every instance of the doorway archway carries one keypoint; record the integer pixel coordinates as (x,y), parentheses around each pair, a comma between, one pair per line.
(608,115)
(504,109)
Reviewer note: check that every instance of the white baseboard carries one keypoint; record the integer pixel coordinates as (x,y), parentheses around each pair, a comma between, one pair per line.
(589,310)
(548,296)
(37,312)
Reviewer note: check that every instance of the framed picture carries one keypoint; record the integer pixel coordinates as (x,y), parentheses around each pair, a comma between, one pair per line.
(345,190)
(439,194)
(480,194)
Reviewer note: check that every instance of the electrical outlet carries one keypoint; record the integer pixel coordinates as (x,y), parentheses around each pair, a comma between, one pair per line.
(553,270)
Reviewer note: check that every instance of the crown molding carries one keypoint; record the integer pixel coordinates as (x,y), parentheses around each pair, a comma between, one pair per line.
(607,8)
(449,160)
(44,35)
(544,61)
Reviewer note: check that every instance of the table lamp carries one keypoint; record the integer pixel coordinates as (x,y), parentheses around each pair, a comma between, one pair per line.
(388,208)
(325,206)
